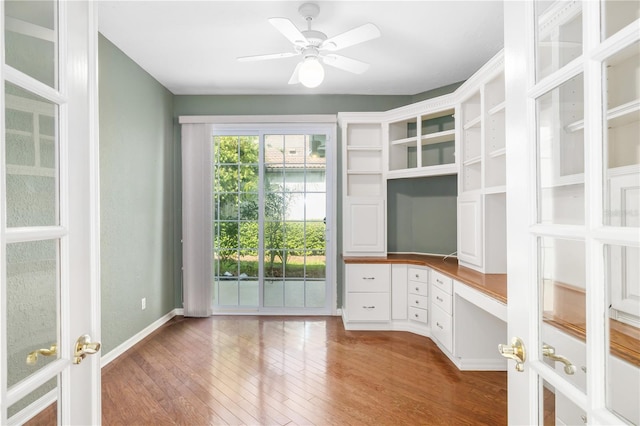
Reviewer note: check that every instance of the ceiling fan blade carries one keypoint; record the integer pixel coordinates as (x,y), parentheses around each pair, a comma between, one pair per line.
(344,63)
(269,56)
(295,76)
(356,35)
(289,30)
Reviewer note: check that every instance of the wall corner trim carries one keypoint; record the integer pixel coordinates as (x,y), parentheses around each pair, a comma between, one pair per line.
(133,340)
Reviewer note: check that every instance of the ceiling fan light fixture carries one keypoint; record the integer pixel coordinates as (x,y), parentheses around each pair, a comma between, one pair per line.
(311,73)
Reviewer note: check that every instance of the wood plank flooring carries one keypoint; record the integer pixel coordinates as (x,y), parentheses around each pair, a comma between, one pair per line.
(293,371)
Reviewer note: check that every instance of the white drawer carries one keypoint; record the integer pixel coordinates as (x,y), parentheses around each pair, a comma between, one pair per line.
(418,301)
(418,274)
(419,288)
(368,307)
(368,277)
(441,327)
(441,299)
(442,281)
(417,314)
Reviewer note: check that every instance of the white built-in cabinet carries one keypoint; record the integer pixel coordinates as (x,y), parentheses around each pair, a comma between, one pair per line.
(482,178)
(364,185)
(465,324)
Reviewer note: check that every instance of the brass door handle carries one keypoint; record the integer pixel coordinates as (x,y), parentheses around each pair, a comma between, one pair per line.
(32,357)
(515,351)
(84,346)
(550,352)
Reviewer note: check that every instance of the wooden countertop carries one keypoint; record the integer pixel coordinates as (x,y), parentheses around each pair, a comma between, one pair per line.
(493,285)
(625,339)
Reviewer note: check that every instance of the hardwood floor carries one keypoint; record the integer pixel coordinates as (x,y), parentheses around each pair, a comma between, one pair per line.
(290,370)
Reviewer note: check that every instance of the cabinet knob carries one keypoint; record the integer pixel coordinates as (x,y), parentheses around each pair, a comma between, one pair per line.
(438,324)
(416,315)
(417,288)
(417,276)
(439,281)
(417,302)
(368,307)
(439,300)
(368,278)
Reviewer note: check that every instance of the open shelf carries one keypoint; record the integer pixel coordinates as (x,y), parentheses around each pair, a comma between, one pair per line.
(432,138)
(474,122)
(498,108)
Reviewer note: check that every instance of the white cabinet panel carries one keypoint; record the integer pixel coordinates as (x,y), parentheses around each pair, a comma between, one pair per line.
(398,292)
(442,281)
(441,299)
(364,227)
(441,327)
(418,288)
(418,301)
(420,315)
(418,274)
(367,278)
(470,229)
(368,306)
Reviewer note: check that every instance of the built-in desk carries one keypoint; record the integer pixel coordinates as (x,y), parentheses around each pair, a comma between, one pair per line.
(475,291)
(466,315)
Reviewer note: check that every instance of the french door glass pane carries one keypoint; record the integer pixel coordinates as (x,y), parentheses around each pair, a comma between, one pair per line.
(622,144)
(561,281)
(33,275)
(560,133)
(557,409)
(47,388)
(31,39)
(559,35)
(623,366)
(32,160)
(617,14)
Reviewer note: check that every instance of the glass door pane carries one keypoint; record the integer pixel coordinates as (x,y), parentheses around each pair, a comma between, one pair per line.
(617,14)
(559,35)
(294,229)
(560,132)
(235,220)
(31,129)
(31,39)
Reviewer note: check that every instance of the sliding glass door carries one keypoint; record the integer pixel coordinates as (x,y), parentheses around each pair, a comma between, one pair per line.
(270,213)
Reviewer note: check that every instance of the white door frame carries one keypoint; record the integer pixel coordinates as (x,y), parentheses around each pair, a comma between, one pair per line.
(78,392)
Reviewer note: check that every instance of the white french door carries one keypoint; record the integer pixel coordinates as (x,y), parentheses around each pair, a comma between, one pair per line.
(48,217)
(573,201)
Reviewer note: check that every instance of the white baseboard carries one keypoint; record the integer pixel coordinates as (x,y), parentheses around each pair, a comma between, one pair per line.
(129,343)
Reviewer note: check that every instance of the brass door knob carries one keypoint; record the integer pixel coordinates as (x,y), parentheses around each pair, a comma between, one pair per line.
(515,351)
(84,346)
(32,357)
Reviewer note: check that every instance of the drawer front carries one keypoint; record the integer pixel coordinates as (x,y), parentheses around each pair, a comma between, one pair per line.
(368,307)
(441,327)
(418,274)
(441,299)
(418,301)
(418,288)
(442,281)
(417,314)
(368,278)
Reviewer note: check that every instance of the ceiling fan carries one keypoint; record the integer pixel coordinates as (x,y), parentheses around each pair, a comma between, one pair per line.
(314,45)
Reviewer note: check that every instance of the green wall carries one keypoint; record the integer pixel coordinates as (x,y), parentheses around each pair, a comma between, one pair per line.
(412,205)
(137,197)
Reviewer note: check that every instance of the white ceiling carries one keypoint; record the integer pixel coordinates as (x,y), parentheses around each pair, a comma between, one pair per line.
(191,46)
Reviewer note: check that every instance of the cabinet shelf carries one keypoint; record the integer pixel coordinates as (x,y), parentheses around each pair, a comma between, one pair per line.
(439,170)
(471,161)
(363,172)
(406,141)
(621,115)
(364,148)
(498,108)
(499,189)
(498,152)
(472,123)
(438,137)
(431,138)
